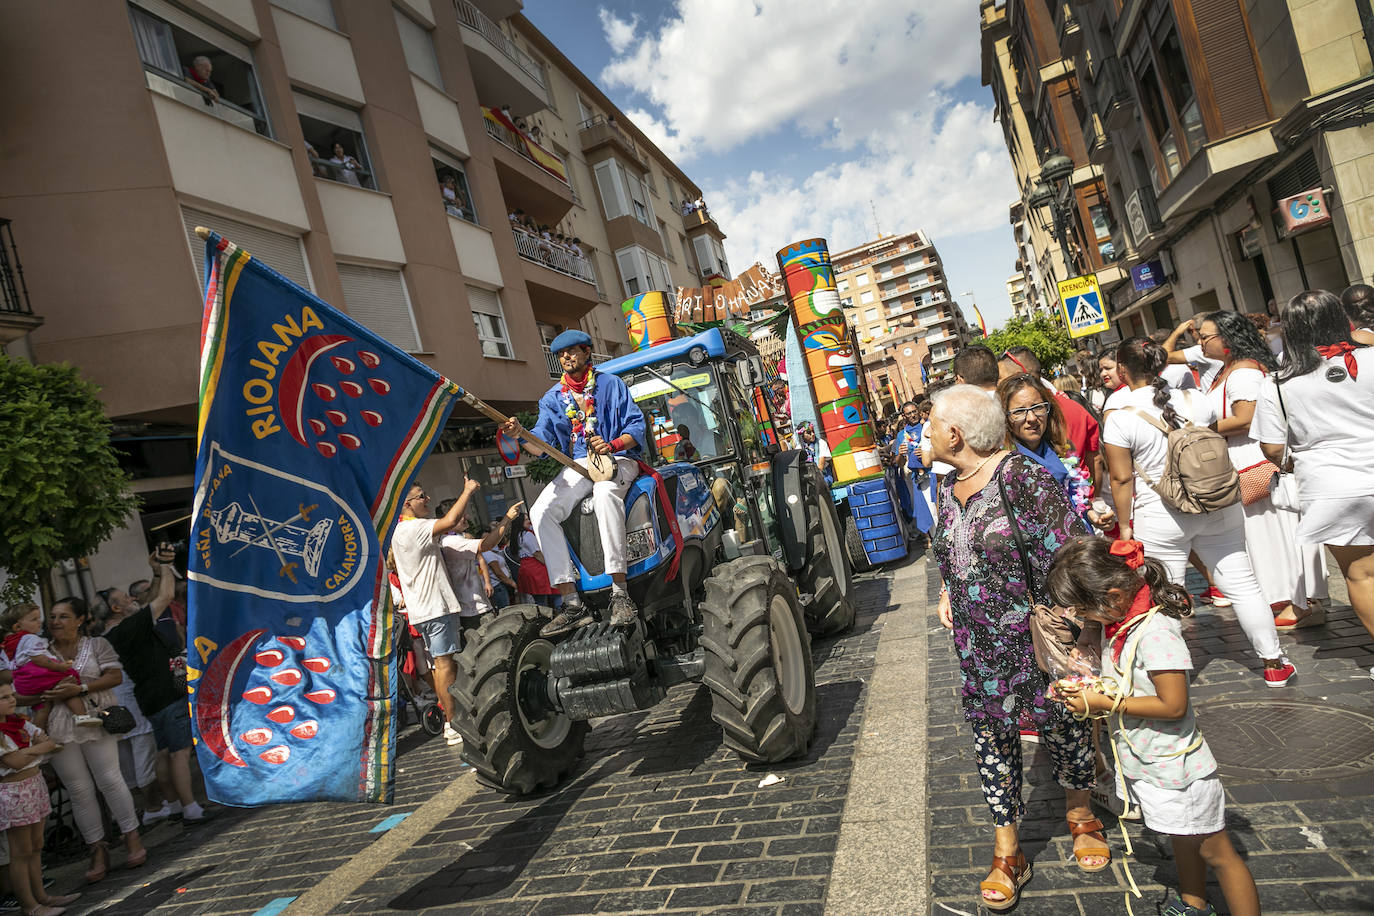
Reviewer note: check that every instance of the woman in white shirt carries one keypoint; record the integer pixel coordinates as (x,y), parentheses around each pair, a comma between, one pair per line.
(1288,574)
(1130,442)
(1319,408)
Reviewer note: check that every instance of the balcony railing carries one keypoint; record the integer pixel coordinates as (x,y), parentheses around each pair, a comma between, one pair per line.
(547,254)
(1095,138)
(14,295)
(475,19)
(517,144)
(1112,93)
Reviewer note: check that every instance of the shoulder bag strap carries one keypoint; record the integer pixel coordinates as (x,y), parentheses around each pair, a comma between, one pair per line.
(1157,424)
(1016,535)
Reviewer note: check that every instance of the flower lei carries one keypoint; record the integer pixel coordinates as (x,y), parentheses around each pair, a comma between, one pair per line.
(583,418)
(1080,484)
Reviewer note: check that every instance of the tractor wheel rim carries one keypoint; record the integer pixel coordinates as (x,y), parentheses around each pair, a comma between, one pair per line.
(789,660)
(834,548)
(550,730)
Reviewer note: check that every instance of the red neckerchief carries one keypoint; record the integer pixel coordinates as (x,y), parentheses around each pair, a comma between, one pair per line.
(577,384)
(13,726)
(1116,633)
(12,643)
(1343,349)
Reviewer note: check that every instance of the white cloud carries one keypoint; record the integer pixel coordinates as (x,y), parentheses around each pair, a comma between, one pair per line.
(619,32)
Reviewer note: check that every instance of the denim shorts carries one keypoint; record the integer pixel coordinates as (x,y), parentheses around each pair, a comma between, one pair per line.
(172,727)
(442,635)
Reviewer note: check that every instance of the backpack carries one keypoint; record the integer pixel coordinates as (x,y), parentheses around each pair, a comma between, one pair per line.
(1198,475)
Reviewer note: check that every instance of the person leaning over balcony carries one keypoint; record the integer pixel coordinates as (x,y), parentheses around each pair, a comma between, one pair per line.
(589,416)
(346,168)
(199,75)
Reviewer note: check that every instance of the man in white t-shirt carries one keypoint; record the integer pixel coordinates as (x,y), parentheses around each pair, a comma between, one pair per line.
(464,558)
(431,604)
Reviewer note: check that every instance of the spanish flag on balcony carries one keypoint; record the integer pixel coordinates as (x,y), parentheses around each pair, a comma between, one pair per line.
(540,156)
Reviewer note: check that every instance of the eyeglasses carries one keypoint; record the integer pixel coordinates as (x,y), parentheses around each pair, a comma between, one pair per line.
(1203,338)
(1022,414)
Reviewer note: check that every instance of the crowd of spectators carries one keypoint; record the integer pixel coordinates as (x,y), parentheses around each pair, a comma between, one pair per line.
(551,247)
(1039,491)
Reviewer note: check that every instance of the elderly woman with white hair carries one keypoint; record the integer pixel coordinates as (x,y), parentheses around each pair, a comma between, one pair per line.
(1001,516)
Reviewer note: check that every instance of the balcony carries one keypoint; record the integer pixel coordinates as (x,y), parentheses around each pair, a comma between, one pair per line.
(700,218)
(597,132)
(533,179)
(553,257)
(1070,34)
(1142,213)
(500,70)
(16,315)
(1214,169)
(1096,139)
(1113,94)
(561,285)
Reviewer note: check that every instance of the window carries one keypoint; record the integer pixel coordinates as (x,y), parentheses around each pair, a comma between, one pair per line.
(860,279)
(686,255)
(334,141)
(649,179)
(584,111)
(192,62)
(706,257)
(284,252)
(885,271)
(847,302)
(490,322)
(642,271)
(418,45)
(376,297)
(622,192)
(842,285)
(1101,217)
(866,296)
(1171,108)
(663,234)
(317,11)
(454,194)
(870,314)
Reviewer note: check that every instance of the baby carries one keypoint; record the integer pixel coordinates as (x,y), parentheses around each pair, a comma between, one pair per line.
(36,667)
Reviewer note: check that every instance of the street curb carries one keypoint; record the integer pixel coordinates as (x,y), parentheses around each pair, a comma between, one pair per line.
(346,879)
(881,860)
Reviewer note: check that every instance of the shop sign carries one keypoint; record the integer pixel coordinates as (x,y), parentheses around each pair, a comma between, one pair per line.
(1304,211)
(1147,276)
(516,470)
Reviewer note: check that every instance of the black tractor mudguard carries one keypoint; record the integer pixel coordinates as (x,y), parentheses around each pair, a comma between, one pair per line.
(790,506)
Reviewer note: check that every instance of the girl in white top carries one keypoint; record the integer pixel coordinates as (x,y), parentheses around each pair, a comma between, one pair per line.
(1288,574)
(1218,537)
(1319,408)
(1163,757)
(24,805)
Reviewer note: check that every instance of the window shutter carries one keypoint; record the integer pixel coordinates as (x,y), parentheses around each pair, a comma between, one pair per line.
(376,298)
(283,253)
(1231,64)
(418,46)
(320,11)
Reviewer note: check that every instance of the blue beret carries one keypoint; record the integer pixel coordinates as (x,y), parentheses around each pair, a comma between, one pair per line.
(569,338)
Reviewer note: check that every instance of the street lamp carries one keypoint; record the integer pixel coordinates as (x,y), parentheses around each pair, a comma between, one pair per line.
(1055,190)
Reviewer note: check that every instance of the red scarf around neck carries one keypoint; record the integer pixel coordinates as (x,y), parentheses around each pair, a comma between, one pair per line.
(11,644)
(1346,350)
(1116,633)
(13,727)
(578,384)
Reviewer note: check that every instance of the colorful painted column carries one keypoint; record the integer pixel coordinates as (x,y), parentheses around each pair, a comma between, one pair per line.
(831,366)
(648,320)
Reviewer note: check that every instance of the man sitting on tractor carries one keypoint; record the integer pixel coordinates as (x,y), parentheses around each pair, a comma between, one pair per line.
(592,418)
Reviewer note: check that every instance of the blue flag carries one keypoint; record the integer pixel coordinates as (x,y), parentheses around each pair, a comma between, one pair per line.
(311,428)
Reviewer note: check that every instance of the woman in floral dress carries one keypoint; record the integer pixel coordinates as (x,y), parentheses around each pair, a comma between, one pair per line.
(987,606)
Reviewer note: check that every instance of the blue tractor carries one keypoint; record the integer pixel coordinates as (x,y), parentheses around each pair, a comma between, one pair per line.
(729,596)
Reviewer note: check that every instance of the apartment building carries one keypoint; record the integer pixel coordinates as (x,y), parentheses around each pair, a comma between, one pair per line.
(1065,218)
(897,300)
(1235,139)
(1016,295)
(374,152)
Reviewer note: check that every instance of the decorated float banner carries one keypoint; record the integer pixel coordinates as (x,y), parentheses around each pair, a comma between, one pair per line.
(832,367)
(311,428)
(648,320)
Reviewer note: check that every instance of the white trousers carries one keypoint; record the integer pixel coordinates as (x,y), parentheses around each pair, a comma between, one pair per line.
(84,767)
(560,498)
(1219,541)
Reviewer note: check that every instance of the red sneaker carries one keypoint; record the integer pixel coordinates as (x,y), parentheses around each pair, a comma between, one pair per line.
(1279,677)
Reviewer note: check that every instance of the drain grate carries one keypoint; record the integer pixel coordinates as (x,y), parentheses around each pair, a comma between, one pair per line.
(1286,740)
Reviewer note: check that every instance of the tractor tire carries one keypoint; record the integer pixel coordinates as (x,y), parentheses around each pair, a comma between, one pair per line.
(827,576)
(513,741)
(854,546)
(758,660)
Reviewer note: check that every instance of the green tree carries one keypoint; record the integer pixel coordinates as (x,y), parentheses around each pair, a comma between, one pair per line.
(62,491)
(1047,339)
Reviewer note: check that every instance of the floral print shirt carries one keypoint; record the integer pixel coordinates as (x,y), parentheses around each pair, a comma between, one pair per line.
(982,569)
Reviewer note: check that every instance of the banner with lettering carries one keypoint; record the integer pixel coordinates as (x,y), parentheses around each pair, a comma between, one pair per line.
(311,428)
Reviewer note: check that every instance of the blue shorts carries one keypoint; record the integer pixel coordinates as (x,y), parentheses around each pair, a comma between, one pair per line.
(442,635)
(172,727)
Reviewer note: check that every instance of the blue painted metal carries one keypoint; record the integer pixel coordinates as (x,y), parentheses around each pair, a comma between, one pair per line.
(390,822)
(711,340)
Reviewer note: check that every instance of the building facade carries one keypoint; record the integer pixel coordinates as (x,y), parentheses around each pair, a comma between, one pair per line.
(1065,219)
(1235,141)
(380,154)
(906,324)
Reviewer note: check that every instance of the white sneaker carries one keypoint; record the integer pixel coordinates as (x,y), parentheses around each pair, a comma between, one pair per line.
(95,721)
(452,737)
(152,817)
(193,813)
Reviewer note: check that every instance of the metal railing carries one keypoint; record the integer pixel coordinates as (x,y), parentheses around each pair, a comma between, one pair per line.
(475,19)
(511,141)
(547,254)
(14,294)
(600,121)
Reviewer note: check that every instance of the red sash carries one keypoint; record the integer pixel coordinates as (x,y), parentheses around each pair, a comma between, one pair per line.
(667,505)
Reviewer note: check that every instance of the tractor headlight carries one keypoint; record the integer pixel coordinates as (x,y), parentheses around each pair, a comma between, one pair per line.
(696,356)
(640,542)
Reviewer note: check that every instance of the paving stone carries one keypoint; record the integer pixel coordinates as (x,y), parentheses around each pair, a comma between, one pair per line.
(783,891)
(709,895)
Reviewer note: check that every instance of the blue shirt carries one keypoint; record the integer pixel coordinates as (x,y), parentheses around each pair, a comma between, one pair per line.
(616,414)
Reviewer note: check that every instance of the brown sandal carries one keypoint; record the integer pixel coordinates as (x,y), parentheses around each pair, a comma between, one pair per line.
(1018,870)
(1092,828)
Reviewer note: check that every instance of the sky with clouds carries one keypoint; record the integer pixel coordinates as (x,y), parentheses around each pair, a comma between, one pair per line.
(832,118)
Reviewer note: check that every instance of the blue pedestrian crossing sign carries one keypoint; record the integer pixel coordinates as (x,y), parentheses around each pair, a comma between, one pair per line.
(1081,300)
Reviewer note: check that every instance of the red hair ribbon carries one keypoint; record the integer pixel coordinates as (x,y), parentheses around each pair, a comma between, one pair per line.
(1343,349)
(1132,553)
